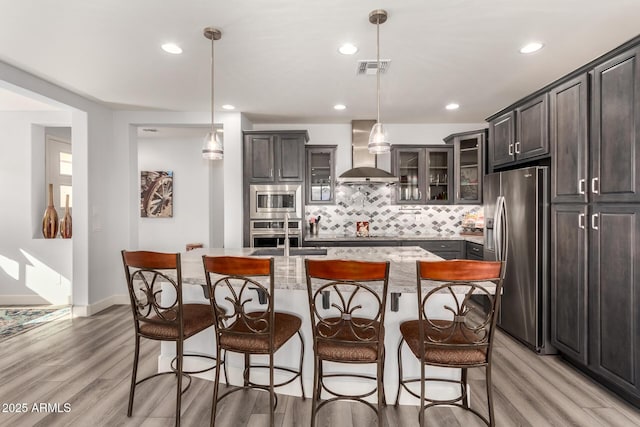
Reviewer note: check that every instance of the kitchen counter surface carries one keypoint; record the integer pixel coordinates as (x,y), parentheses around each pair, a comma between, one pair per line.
(328,237)
(290,272)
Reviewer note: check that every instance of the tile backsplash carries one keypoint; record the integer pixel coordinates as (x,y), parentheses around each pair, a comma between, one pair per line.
(372,203)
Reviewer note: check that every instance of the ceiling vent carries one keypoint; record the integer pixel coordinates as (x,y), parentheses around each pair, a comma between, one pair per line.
(370,66)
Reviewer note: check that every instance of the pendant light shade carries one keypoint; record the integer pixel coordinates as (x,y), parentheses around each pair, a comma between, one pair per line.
(212,149)
(378,140)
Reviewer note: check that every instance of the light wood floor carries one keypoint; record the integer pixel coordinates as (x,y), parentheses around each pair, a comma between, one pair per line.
(86,362)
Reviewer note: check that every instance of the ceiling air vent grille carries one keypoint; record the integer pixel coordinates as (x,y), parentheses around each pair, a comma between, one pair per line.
(370,66)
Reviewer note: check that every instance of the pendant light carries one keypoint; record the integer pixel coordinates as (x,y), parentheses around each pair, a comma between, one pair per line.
(378,141)
(212,148)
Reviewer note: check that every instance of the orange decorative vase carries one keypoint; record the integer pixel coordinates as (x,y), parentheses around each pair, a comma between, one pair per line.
(50,219)
(65,222)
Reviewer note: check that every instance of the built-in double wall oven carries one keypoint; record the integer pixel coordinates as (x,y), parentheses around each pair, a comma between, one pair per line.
(268,206)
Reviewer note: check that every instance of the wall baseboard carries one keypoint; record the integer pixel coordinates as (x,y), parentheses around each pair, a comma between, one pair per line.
(91,309)
(23,300)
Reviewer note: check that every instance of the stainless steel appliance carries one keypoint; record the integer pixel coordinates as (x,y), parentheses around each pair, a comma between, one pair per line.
(271,233)
(516,209)
(274,201)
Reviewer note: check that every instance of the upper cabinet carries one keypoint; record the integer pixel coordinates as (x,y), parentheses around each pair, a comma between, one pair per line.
(271,157)
(320,181)
(468,153)
(424,174)
(615,129)
(520,134)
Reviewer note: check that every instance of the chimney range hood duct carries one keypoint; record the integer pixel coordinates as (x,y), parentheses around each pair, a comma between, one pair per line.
(364,170)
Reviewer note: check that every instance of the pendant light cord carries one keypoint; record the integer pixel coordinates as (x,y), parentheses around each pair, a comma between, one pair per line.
(378,59)
(212,122)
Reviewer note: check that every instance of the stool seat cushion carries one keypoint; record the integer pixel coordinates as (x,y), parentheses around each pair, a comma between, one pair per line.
(240,338)
(196,317)
(457,347)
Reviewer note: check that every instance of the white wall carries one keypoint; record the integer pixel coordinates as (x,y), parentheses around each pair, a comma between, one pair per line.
(340,135)
(224,195)
(33,270)
(99,217)
(190,221)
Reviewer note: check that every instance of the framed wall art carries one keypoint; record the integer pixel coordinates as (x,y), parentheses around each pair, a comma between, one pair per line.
(156,194)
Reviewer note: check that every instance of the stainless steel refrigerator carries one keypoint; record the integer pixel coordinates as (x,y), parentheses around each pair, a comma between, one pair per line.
(516,210)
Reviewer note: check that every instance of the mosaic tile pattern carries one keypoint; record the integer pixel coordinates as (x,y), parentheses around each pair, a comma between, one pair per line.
(373,203)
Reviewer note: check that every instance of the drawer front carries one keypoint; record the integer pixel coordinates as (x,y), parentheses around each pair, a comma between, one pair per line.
(440,245)
(475,251)
(448,254)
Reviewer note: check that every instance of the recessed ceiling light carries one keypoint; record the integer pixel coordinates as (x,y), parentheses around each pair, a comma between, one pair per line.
(531,47)
(172,48)
(339,107)
(452,106)
(347,49)
(228,107)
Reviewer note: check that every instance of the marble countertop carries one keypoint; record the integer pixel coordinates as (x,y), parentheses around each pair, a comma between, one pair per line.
(332,237)
(290,273)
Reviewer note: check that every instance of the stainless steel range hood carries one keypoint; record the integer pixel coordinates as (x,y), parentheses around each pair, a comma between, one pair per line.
(364,170)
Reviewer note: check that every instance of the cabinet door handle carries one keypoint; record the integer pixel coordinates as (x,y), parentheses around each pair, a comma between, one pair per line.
(581,221)
(475,249)
(429,194)
(518,147)
(511,149)
(279,173)
(581,186)
(594,190)
(271,172)
(594,217)
(419,194)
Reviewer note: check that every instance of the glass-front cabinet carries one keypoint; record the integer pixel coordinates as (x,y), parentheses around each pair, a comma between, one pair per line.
(423,174)
(439,175)
(469,167)
(321,174)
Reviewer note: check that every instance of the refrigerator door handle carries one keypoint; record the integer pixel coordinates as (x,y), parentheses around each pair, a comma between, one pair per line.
(594,217)
(581,221)
(500,229)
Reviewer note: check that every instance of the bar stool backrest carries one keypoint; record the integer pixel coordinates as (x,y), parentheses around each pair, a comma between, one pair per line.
(234,286)
(146,272)
(352,292)
(447,318)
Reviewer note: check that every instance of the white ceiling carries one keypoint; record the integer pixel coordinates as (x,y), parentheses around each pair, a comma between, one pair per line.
(278,60)
(13,101)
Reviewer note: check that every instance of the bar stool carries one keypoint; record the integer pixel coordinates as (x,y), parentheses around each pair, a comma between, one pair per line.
(351,329)
(162,320)
(463,337)
(249,332)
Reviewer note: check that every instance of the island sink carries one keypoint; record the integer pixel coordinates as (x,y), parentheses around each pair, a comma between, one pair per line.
(292,251)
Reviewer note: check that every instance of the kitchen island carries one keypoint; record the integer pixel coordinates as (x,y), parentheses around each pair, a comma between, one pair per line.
(291,296)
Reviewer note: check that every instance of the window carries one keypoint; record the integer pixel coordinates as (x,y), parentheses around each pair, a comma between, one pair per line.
(58,170)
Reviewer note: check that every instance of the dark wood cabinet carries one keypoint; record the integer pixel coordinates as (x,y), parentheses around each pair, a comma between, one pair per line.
(320,179)
(569,111)
(614,296)
(521,134)
(532,119)
(271,157)
(409,164)
(425,174)
(468,161)
(615,132)
(502,138)
(569,280)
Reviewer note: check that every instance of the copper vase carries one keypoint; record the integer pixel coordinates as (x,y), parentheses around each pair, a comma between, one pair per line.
(50,219)
(65,222)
